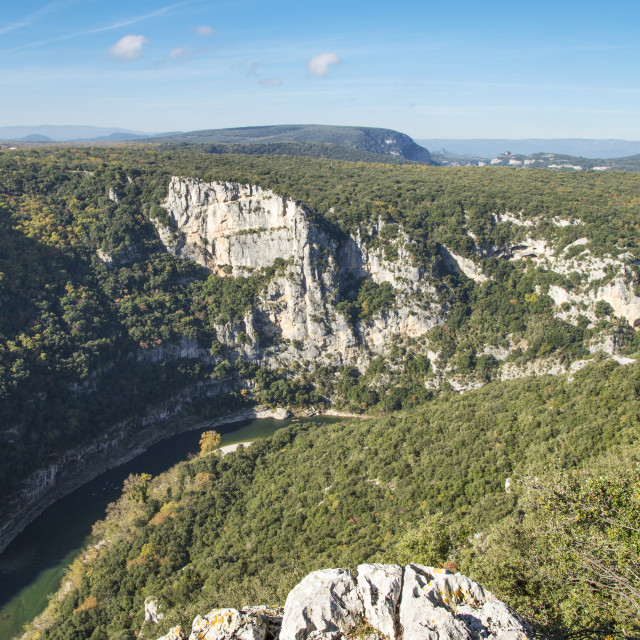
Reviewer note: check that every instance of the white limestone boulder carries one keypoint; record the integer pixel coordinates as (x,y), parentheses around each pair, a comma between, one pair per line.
(324,606)
(439,605)
(228,624)
(386,602)
(175,633)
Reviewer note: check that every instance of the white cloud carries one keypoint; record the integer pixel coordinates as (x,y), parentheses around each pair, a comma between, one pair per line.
(128,48)
(270,82)
(319,65)
(204,30)
(179,52)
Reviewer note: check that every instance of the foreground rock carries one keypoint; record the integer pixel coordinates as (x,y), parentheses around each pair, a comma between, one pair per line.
(384,602)
(439,604)
(251,623)
(325,604)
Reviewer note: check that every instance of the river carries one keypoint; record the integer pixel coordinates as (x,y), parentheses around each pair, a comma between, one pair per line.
(32,566)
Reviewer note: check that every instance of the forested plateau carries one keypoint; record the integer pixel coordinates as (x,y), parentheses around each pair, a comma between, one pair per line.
(144,289)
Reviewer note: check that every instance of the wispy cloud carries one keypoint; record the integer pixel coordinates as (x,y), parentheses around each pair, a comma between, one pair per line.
(254,72)
(204,30)
(12,26)
(179,52)
(128,48)
(129,21)
(179,56)
(319,65)
(270,82)
(109,27)
(32,17)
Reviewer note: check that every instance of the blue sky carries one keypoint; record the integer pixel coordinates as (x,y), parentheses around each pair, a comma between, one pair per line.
(459,69)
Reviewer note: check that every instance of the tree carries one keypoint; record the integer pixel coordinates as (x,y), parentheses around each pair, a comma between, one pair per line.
(209,442)
(589,527)
(135,486)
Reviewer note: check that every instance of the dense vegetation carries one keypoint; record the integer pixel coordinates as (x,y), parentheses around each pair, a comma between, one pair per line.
(298,149)
(426,486)
(77,332)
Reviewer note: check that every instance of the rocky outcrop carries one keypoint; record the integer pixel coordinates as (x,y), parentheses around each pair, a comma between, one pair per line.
(608,279)
(228,623)
(224,225)
(152,611)
(453,606)
(460,264)
(384,602)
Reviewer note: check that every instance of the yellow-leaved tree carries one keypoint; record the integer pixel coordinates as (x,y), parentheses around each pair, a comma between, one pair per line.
(209,442)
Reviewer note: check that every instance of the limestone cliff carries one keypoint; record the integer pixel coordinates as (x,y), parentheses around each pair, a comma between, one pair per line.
(237,230)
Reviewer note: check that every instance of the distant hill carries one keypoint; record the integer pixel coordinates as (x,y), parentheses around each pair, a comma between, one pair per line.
(371,140)
(66,133)
(35,137)
(490,147)
(117,136)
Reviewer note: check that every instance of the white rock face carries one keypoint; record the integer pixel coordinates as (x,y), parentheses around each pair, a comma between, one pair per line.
(513,219)
(322,607)
(225,224)
(151,611)
(616,289)
(437,604)
(511,371)
(379,587)
(107,258)
(460,264)
(175,633)
(235,230)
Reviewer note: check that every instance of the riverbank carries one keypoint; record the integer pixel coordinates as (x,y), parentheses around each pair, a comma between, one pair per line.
(34,563)
(230,448)
(116,449)
(101,458)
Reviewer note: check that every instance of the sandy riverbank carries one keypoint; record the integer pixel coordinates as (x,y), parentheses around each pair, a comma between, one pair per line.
(233,447)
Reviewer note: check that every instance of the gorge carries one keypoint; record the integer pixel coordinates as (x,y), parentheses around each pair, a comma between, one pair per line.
(146,292)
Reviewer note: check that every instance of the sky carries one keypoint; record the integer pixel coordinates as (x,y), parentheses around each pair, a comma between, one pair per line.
(431,69)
